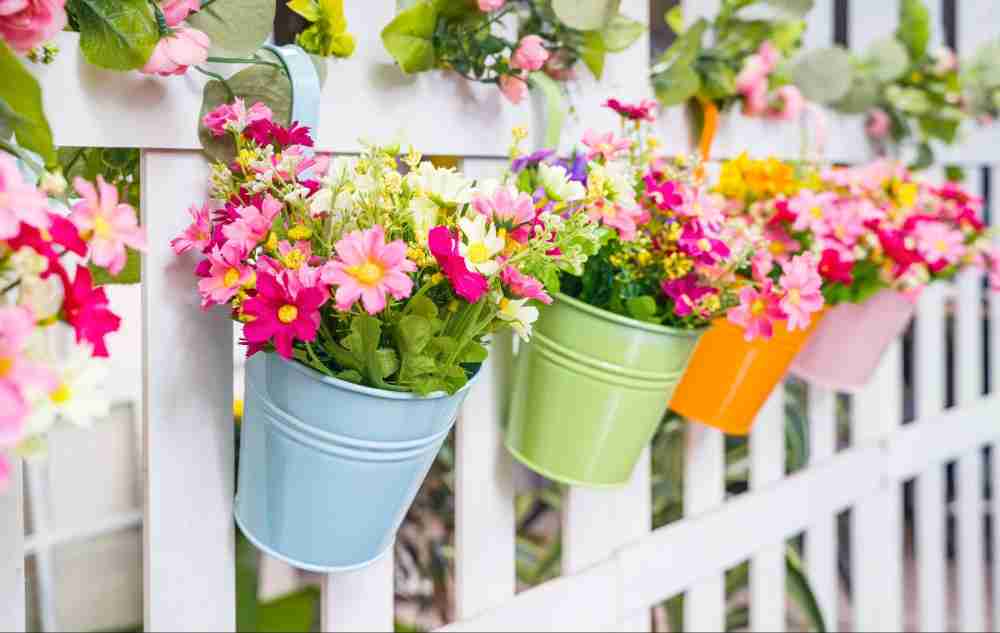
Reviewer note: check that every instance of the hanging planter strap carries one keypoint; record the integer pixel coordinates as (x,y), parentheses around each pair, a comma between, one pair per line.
(555,107)
(305,83)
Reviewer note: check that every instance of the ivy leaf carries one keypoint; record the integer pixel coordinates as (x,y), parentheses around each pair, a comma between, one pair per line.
(887,59)
(621,32)
(237,28)
(409,37)
(914,29)
(21,107)
(585,15)
(823,75)
(116,34)
(266,84)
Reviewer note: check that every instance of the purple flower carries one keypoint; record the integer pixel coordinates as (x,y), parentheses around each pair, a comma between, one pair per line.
(575,168)
(530,160)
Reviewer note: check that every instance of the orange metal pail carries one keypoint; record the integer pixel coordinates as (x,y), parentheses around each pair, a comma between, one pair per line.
(729,379)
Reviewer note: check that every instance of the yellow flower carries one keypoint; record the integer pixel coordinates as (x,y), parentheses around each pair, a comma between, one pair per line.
(272,242)
(905,193)
(300,232)
(676,265)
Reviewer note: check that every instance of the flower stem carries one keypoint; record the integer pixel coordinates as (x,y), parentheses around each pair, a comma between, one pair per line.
(10,148)
(241,60)
(219,78)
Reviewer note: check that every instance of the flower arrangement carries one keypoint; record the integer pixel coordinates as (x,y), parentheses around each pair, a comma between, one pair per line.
(53,317)
(670,255)
(468,37)
(365,274)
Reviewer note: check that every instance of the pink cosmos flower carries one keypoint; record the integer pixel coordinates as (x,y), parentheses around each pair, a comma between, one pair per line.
(506,206)
(802,284)
(24,24)
(176,11)
(280,316)
(468,284)
(939,245)
(367,268)
(198,235)
(513,88)
(19,200)
(605,145)
(751,82)
(86,309)
(174,53)
(523,285)
(112,225)
(686,293)
(17,323)
(701,204)
(705,248)
(791,101)
(780,244)
(226,275)
(811,210)
(253,224)
(645,110)
(235,117)
(757,312)
(294,256)
(877,124)
(622,218)
(666,195)
(845,223)
(761,264)
(487,6)
(530,54)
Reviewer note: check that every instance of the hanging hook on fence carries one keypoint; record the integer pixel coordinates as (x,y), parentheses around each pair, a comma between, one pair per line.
(305,83)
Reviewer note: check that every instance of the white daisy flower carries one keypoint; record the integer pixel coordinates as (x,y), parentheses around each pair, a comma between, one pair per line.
(444,186)
(555,180)
(520,315)
(79,397)
(483,244)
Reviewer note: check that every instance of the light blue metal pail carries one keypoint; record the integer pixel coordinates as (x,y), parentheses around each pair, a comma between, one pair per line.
(328,469)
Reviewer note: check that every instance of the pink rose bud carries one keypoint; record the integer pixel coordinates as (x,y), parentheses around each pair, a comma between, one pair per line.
(530,54)
(24,24)
(173,54)
(176,11)
(790,104)
(755,99)
(769,56)
(490,5)
(514,88)
(878,124)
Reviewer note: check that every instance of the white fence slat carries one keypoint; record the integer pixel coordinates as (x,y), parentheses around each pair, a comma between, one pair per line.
(994,355)
(360,600)
(767,467)
(877,532)
(36,484)
(704,489)
(189,542)
(12,589)
(821,539)
(929,383)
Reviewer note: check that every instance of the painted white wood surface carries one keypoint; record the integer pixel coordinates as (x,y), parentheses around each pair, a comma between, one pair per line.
(821,538)
(12,587)
(360,600)
(704,490)
(189,542)
(767,467)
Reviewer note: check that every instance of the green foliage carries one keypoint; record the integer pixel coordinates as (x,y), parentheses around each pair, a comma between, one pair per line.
(236,27)
(266,84)
(21,109)
(823,75)
(327,36)
(585,15)
(887,60)
(914,30)
(115,34)
(409,37)
(556,109)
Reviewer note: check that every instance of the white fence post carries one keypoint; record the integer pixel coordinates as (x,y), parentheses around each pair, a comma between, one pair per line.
(767,467)
(12,598)
(189,542)
(361,600)
(704,489)
(821,539)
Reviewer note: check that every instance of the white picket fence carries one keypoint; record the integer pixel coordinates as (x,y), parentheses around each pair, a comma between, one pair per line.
(615,567)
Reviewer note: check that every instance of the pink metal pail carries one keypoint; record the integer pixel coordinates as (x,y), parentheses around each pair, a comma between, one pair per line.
(844,351)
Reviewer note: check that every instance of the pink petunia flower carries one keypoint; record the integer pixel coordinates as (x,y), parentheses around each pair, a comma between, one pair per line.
(704,247)
(19,201)
(368,269)
(111,225)
(757,311)
(530,54)
(506,207)
(176,11)
(226,275)
(468,284)
(513,88)
(811,210)
(486,6)
(523,285)
(198,234)
(174,53)
(624,219)
(939,245)
(24,24)
(686,293)
(667,195)
(280,316)
(606,145)
(253,224)
(802,284)
(235,117)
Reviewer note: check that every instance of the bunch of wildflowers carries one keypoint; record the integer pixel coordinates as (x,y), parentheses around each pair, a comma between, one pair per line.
(53,319)
(365,273)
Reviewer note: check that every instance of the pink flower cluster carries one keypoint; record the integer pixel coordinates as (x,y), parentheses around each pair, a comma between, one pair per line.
(529,56)
(184,47)
(24,24)
(786,103)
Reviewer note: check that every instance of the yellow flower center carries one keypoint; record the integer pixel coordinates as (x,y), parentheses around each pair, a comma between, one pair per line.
(605,148)
(231,278)
(478,253)
(777,248)
(288,313)
(62,394)
(300,232)
(294,259)
(6,364)
(817,212)
(794,296)
(704,244)
(757,307)
(941,246)
(102,228)
(368,273)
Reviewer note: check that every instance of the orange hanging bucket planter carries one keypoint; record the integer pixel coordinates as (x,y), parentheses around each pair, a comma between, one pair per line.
(728,379)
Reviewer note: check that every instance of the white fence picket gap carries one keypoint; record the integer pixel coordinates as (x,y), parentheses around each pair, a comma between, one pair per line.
(360,600)
(188,537)
(12,585)
(704,489)
(767,467)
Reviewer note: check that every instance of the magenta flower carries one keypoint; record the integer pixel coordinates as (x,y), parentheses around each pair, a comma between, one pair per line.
(606,145)
(802,284)
(524,286)
(645,110)
(253,224)
(85,307)
(368,269)
(24,24)
(467,284)
(19,200)
(235,117)
(174,53)
(757,312)
(280,316)
(811,210)
(666,195)
(939,245)
(686,293)
(700,245)
(198,234)
(531,54)
(110,226)
(226,275)
(506,207)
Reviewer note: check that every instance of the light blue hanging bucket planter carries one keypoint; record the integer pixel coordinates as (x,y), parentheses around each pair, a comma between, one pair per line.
(328,469)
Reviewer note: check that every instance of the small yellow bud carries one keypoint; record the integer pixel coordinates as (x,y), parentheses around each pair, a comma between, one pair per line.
(300,232)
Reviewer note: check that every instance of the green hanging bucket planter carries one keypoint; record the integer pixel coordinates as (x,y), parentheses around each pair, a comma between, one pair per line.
(590,390)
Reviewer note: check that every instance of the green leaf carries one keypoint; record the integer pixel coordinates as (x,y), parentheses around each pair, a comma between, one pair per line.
(387,361)
(797,583)
(823,75)
(366,333)
(328,35)
(414,333)
(409,37)
(457,8)
(116,34)
(674,18)
(792,9)
(718,81)
(924,159)
(473,352)
(642,308)
(351,375)
(266,84)
(621,32)
(593,52)
(861,97)
(236,27)
(416,365)
(887,59)
(914,29)
(939,128)
(21,107)
(130,274)
(676,85)
(422,306)
(585,15)
(309,9)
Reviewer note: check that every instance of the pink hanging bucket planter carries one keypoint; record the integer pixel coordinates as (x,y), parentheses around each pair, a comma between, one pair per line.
(847,346)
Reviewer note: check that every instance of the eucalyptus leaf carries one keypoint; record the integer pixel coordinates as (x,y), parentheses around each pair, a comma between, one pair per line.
(409,37)
(793,9)
(887,59)
(621,32)
(585,15)
(863,95)
(914,29)
(116,34)
(21,109)
(909,100)
(266,84)
(823,75)
(236,27)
